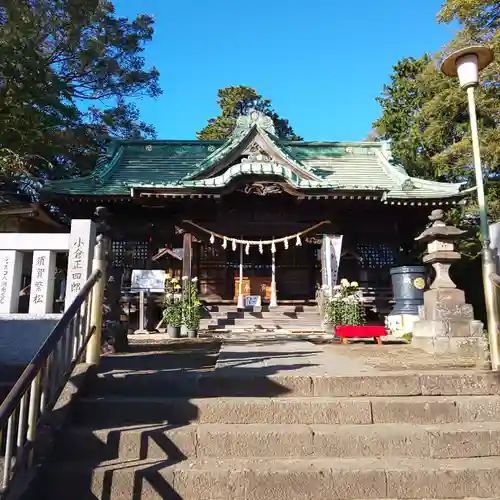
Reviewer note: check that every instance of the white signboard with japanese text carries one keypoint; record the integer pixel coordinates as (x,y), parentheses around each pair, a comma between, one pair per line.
(152,280)
(11,262)
(81,253)
(42,282)
(253,301)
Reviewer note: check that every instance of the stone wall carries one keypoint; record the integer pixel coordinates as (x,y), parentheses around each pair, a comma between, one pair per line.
(21,335)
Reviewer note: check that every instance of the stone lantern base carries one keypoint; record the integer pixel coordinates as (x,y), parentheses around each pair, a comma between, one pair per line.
(447,326)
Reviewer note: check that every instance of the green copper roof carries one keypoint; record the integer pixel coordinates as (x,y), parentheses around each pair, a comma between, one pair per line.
(207,166)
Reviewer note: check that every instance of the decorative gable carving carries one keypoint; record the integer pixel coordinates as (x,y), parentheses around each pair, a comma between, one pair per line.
(255,153)
(253,118)
(262,188)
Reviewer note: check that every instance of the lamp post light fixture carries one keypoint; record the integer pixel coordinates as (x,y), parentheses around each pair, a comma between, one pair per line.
(466,63)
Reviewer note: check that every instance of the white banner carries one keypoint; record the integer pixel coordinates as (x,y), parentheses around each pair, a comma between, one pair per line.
(332,247)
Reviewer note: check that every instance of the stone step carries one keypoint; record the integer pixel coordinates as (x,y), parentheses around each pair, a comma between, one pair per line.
(122,411)
(263,314)
(268,319)
(225,308)
(252,382)
(283,441)
(260,324)
(276,479)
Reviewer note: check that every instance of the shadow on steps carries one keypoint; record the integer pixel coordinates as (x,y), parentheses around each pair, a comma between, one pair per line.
(122,396)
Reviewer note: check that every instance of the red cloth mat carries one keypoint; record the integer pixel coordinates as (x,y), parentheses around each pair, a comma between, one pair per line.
(360,331)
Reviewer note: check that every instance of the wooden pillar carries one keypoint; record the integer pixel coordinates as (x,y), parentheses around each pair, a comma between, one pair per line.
(187,245)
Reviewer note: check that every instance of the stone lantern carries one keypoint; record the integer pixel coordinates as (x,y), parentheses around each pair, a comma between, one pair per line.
(446,323)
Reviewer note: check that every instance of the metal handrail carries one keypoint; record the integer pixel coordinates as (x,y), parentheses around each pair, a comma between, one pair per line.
(36,391)
(495,278)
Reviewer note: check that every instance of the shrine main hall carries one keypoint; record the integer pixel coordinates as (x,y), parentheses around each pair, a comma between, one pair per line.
(257,207)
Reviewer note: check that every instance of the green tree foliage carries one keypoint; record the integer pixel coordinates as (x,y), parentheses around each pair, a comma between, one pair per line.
(67,71)
(425,114)
(236,101)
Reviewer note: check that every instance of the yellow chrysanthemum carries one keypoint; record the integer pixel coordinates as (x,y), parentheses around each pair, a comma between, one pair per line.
(354,284)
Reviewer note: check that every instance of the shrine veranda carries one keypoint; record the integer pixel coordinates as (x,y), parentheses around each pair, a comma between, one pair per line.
(178,206)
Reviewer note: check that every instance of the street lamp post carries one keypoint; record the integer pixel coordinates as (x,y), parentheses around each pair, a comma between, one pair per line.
(466,64)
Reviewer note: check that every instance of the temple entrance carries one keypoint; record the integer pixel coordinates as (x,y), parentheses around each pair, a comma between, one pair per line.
(297,272)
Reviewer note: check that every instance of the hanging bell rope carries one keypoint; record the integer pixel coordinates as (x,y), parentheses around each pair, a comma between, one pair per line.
(260,243)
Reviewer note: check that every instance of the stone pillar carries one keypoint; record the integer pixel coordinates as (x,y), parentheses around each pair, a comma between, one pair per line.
(11,266)
(446,324)
(43,276)
(81,253)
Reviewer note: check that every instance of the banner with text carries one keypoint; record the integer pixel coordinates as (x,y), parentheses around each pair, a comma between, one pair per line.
(332,247)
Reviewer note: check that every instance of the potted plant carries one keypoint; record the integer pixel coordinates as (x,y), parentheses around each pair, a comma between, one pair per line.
(191,307)
(345,310)
(322,301)
(172,313)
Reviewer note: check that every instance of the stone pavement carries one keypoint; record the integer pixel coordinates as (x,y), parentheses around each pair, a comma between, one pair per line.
(316,355)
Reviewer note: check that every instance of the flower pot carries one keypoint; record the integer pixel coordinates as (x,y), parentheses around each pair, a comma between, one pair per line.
(329,329)
(192,334)
(408,283)
(174,332)
(184,331)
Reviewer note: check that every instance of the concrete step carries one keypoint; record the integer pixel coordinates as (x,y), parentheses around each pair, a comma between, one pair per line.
(277,479)
(123,411)
(283,441)
(240,380)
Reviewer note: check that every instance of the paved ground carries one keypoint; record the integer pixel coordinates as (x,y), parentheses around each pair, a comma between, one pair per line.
(294,354)
(314,356)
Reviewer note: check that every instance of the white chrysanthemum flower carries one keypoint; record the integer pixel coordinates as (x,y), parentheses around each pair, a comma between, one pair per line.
(184,278)
(194,280)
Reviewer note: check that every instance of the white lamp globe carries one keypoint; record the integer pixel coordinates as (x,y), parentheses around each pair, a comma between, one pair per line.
(468,71)
(467,63)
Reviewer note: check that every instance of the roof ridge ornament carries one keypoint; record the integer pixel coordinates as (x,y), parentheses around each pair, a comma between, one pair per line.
(253,118)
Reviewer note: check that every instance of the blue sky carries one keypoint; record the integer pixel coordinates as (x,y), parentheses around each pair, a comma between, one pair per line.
(321,62)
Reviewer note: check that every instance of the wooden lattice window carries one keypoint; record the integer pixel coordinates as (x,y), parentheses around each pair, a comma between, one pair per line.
(131,254)
(376,256)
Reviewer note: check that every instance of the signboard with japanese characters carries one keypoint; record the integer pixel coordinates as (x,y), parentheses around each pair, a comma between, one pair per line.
(151,280)
(42,282)
(10,280)
(81,252)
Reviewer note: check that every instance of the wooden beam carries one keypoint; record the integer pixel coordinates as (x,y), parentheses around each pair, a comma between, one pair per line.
(187,244)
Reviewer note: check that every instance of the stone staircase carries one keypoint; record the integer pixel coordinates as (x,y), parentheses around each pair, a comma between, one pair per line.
(283,317)
(282,430)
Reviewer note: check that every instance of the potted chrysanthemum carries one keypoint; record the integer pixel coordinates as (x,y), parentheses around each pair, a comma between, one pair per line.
(345,310)
(172,313)
(191,305)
